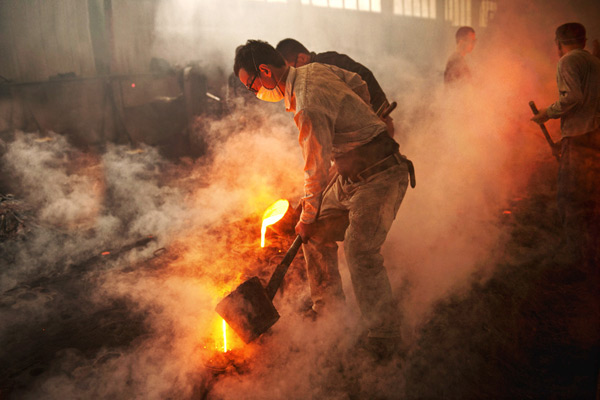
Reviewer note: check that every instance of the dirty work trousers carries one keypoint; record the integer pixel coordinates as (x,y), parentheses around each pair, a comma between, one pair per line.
(578,195)
(371,206)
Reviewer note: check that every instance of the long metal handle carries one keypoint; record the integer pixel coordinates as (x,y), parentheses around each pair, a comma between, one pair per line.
(544,130)
(281,269)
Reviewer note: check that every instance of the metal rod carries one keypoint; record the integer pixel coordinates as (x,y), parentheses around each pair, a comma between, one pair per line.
(281,269)
(544,131)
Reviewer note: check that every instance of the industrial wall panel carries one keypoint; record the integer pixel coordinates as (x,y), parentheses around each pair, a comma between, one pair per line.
(44,38)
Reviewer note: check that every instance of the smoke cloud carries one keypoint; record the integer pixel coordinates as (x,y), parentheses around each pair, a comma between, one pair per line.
(473,148)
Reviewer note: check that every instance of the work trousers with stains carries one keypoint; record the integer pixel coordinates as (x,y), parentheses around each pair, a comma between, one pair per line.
(371,206)
(578,195)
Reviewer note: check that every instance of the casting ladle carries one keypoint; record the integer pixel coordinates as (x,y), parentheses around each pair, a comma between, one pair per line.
(249,309)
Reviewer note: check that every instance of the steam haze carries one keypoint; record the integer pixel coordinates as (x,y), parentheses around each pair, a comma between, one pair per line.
(474,151)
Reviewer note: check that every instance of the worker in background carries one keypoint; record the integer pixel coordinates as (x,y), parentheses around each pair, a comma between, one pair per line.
(296,55)
(331,110)
(457,69)
(578,107)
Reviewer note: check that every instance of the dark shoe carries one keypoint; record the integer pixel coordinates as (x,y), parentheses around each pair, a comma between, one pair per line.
(384,349)
(310,314)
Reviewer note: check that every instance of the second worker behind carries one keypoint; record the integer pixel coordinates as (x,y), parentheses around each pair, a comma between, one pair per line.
(296,55)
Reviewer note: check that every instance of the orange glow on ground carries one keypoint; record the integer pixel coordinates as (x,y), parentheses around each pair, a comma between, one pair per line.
(274,213)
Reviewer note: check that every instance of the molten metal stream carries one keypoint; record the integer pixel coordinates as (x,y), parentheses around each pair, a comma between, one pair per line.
(274,213)
(224,337)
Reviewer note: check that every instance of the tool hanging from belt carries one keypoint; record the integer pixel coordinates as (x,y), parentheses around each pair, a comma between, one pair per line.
(411,172)
(385,109)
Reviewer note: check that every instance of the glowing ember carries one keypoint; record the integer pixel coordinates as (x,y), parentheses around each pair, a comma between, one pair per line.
(105,253)
(274,213)
(44,139)
(506,212)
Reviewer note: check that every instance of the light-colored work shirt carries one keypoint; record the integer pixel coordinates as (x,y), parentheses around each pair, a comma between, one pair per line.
(578,105)
(333,115)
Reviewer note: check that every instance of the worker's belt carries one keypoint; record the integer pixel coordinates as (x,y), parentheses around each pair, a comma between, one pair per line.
(389,161)
(371,158)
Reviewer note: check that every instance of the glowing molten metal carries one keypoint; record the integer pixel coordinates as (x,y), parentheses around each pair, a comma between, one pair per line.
(224,337)
(220,340)
(274,213)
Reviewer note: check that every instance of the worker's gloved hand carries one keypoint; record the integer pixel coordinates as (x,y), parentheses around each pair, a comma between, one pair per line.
(541,116)
(305,230)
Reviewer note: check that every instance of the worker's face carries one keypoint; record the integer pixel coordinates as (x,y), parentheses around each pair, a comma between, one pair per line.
(470,41)
(263,84)
(250,80)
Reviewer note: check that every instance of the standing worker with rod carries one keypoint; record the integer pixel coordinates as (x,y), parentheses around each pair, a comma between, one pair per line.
(335,121)
(578,107)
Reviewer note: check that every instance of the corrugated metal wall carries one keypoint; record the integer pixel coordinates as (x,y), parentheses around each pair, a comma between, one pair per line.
(133,27)
(42,38)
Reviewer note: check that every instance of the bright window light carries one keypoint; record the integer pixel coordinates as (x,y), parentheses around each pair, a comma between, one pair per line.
(458,12)
(362,5)
(487,12)
(415,8)
(350,4)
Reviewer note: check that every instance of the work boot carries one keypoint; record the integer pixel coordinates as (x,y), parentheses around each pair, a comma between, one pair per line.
(310,314)
(307,311)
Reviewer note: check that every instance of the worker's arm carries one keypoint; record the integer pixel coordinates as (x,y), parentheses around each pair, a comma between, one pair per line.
(541,116)
(315,137)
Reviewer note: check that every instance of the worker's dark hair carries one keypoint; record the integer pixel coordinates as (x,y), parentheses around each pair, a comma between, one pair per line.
(463,32)
(571,33)
(290,48)
(254,53)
